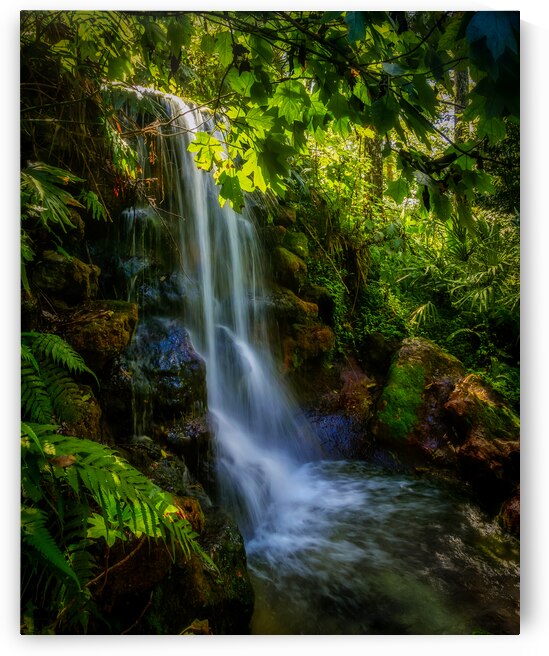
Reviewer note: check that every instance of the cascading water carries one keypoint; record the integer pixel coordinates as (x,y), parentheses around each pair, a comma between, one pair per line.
(333,547)
(260,439)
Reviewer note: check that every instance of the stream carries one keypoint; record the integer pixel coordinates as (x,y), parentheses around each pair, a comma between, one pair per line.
(334,547)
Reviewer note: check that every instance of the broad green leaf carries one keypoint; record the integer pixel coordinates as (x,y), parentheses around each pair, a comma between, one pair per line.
(259,120)
(493,128)
(356,26)
(393,69)
(398,189)
(179,33)
(338,105)
(224,48)
(498,29)
(291,99)
(385,113)
(240,82)
(208,150)
(261,50)
(230,189)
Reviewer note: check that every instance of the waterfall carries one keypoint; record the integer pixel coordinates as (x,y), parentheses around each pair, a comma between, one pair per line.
(259,438)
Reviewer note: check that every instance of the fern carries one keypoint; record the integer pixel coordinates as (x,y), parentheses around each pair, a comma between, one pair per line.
(94,206)
(47,389)
(35,534)
(76,492)
(55,348)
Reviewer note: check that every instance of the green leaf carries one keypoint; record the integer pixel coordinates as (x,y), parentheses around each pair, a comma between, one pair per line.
(224,48)
(393,69)
(493,128)
(385,113)
(208,150)
(398,189)
(240,82)
(291,99)
(498,29)
(179,33)
(230,189)
(259,120)
(355,25)
(338,105)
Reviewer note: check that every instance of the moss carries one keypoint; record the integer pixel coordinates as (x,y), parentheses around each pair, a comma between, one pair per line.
(401,399)
(297,243)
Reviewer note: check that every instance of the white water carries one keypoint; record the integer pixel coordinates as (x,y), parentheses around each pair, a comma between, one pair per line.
(259,437)
(333,547)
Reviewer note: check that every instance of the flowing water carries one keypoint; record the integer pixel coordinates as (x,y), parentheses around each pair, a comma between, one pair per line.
(333,547)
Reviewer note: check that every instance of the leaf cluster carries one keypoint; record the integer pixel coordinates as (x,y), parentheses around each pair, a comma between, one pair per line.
(77,495)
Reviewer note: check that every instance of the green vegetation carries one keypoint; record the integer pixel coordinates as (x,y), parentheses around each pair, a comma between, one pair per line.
(401,399)
(78,496)
(394,136)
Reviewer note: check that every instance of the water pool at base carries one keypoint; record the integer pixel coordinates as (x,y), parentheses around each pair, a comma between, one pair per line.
(355,549)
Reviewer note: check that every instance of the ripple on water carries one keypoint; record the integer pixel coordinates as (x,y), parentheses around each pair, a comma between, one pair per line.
(350,548)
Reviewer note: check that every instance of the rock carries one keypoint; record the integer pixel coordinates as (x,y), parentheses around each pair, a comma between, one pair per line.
(287,308)
(88,422)
(66,280)
(285,216)
(297,243)
(322,297)
(376,352)
(288,269)
(102,331)
(310,342)
(489,448)
(411,411)
(165,369)
(193,592)
(272,235)
(509,515)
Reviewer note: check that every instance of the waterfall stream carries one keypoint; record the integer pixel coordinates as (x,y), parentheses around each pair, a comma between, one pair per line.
(333,547)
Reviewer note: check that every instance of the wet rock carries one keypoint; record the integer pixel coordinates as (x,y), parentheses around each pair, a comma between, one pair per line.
(509,515)
(309,343)
(67,280)
(102,331)
(288,269)
(287,308)
(410,413)
(489,448)
(323,299)
(165,370)
(297,243)
(376,352)
(272,235)
(192,591)
(87,422)
(285,216)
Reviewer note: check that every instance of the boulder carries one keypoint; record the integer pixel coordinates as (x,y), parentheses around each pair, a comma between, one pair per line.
(289,270)
(488,446)
(297,243)
(285,216)
(65,279)
(101,331)
(410,413)
(287,308)
(308,344)
(148,591)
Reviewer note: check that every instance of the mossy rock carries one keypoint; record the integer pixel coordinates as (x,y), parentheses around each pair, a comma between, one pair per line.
(66,280)
(297,243)
(287,308)
(289,270)
(419,382)
(102,330)
(401,399)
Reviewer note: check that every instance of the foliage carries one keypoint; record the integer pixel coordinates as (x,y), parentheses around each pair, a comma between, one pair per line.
(280,76)
(47,204)
(401,398)
(76,494)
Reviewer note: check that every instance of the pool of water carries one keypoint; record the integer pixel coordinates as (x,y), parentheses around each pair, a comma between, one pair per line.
(351,548)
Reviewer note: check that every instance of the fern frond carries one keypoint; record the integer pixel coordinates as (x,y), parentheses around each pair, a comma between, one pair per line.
(94,206)
(64,393)
(35,534)
(35,399)
(55,348)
